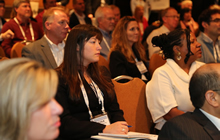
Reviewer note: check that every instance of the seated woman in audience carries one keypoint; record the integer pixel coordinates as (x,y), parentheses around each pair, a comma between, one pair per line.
(167,92)
(28,109)
(127,55)
(85,90)
(141,20)
(187,22)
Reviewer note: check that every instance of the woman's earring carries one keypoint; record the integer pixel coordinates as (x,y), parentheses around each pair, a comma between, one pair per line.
(178,56)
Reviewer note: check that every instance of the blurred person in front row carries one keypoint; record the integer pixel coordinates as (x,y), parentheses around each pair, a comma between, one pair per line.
(167,92)
(85,90)
(204,122)
(127,54)
(28,109)
(49,50)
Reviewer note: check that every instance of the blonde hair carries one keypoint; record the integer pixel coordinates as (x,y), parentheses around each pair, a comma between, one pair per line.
(120,41)
(25,86)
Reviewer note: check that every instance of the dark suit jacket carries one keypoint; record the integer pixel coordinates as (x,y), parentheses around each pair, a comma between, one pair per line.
(75,119)
(92,5)
(74,20)
(189,126)
(40,51)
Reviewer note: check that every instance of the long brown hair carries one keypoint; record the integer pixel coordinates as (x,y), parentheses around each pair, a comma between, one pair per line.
(120,41)
(73,61)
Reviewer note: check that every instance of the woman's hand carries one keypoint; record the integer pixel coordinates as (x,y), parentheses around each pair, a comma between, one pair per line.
(120,127)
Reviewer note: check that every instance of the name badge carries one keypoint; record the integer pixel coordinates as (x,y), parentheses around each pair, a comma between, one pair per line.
(141,67)
(102,119)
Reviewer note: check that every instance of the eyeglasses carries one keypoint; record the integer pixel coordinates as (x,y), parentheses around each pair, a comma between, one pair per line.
(217,20)
(174,16)
(63,23)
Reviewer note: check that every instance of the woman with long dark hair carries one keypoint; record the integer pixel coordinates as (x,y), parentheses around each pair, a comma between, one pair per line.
(85,90)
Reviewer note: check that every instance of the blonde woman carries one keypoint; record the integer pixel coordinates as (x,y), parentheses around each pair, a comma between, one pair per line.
(28,109)
(127,54)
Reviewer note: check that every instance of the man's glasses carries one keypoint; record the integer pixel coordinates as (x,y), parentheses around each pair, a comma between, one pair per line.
(217,20)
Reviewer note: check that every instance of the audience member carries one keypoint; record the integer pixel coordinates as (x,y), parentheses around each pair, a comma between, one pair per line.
(23,28)
(106,24)
(127,56)
(170,19)
(144,3)
(116,12)
(186,21)
(141,20)
(186,4)
(2,12)
(78,16)
(47,5)
(49,50)
(85,90)
(203,123)
(28,109)
(167,92)
(62,2)
(209,24)
(92,6)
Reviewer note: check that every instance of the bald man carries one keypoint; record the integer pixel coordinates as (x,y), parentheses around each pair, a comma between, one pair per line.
(204,122)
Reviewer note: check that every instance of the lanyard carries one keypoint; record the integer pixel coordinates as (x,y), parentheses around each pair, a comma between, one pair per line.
(22,31)
(106,43)
(216,52)
(98,93)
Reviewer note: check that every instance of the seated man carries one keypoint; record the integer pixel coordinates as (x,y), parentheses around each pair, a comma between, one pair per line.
(23,28)
(209,37)
(204,122)
(49,50)
(106,23)
(78,16)
(170,19)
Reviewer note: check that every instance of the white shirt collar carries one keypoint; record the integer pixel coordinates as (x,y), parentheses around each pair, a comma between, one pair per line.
(213,119)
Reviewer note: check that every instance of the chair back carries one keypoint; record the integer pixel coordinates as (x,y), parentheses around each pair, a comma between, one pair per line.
(132,100)
(103,62)
(2,52)
(156,61)
(16,50)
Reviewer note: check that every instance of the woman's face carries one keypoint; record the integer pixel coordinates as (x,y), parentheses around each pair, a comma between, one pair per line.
(132,32)
(194,46)
(91,51)
(187,16)
(45,122)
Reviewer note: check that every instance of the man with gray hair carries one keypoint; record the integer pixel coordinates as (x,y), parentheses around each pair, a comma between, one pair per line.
(49,50)
(21,25)
(106,23)
(204,122)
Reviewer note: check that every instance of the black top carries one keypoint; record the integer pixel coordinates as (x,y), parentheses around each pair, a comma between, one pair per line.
(75,21)
(75,119)
(119,65)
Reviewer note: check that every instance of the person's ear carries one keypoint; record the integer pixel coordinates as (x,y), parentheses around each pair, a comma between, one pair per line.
(77,47)
(212,98)
(205,25)
(47,25)
(176,49)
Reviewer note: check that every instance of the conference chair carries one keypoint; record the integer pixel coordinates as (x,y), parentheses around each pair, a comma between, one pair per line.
(16,50)
(103,62)
(2,52)
(132,100)
(156,61)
